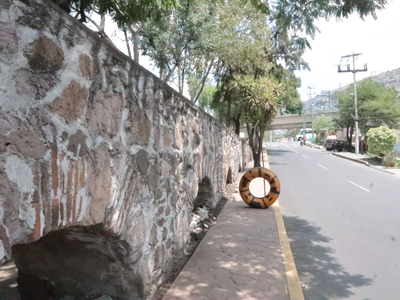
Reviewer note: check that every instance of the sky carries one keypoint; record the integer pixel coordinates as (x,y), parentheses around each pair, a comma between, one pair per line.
(378,41)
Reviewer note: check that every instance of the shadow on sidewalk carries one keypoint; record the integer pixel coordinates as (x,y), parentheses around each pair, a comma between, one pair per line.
(239,258)
(319,269)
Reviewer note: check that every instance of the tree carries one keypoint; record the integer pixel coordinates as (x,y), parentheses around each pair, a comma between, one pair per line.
(290,100)
(381,141)
(127,14)
(322,126)
(248,50)
(182,44)
(261,105)
(377,105)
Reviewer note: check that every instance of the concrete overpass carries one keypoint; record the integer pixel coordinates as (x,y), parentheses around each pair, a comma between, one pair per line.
(293,121)
(297,121)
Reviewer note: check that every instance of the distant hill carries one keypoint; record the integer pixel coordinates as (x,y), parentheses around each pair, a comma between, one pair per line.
(389,78)
(326,101)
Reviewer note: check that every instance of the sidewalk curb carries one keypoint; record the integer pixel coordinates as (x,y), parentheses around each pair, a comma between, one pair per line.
(352,159)
(314,146)
(364,163)
(292,277)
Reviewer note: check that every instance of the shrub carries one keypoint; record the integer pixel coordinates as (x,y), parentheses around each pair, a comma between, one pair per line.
(381,141)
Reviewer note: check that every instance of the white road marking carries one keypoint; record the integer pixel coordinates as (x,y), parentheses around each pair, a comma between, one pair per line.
(358,186)
(305,156)
(322,167)
(291,149)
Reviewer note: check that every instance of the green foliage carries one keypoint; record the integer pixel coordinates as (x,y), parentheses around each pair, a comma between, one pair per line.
(294,107)
(206,96)
(377,105)
(183,40)
(397,163)
(127,13)
(381,141)
(290,100)
(261,104)
(260,97)
(322,126)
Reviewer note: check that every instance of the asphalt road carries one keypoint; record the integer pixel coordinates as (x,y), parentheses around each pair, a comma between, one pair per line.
(343,222)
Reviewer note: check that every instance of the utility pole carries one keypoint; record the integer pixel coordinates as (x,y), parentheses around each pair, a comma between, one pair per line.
(312,116)
(354,71)
(329,100)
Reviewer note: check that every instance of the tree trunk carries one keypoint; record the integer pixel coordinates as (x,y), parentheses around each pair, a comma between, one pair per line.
(257,160)
(203,81)
(135,40)
(260,138)
(162,73)
(256,136)
(349,136)
(182,82)
(136,47)
(127,44)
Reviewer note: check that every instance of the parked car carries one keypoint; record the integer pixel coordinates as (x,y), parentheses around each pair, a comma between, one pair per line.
(338,145)
(329,144)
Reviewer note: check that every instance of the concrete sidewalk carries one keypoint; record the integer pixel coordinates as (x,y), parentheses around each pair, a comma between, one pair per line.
(362,159)
(368,161)
(246,255)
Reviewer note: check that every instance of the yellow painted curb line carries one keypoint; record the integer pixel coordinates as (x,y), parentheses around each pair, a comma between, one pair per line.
(292,277)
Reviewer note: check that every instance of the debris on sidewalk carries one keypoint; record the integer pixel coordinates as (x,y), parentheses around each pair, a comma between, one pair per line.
(202,220)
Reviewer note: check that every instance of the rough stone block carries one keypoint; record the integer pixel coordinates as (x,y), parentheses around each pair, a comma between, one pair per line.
(34,85)
(44,55)
(142,161)
(99,184)
(71,104)
(139,129)
(104,115)
(8,38)
(86,66)
(27,143)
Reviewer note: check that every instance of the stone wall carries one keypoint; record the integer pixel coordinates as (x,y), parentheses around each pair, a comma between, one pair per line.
(97,152)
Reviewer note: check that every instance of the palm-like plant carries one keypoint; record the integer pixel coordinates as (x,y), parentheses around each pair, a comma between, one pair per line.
(261,104)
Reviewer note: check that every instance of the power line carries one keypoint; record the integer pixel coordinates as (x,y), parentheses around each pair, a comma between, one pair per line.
(385,31)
